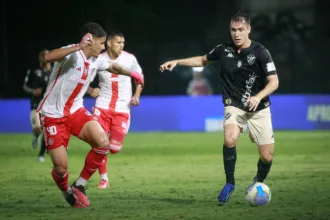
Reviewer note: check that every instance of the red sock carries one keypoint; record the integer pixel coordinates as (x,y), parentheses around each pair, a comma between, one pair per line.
(103,167)
(61,181)
(93,161)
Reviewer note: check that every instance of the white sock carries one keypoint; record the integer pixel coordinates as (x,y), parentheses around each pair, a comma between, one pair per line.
(104,177)
(81,182)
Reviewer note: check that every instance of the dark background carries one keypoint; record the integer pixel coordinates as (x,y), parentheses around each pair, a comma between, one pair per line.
(157,31)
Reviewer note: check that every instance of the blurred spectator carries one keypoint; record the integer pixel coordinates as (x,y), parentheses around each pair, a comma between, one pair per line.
(262,28)
(199,85)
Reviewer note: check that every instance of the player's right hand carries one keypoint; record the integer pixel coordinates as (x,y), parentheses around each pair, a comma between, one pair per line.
(87,40)
(168,66)
(37,92)
(94,92)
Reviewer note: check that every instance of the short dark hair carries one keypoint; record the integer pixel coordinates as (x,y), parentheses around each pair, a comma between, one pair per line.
(94,29)
(240,16)
(114,34)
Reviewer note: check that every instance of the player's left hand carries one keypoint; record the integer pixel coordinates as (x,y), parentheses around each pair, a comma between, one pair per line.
(135,101)
(253,102)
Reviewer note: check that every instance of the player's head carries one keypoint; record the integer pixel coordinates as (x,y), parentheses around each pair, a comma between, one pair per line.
(42,59)
(116,42)
(240,28)
(99,37)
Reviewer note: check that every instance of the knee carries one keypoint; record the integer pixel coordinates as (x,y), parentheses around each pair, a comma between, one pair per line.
(266,157)
(230,139)
(115,146)
(102,142)
(60,169)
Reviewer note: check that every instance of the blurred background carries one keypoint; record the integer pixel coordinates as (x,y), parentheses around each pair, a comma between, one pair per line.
(296,32)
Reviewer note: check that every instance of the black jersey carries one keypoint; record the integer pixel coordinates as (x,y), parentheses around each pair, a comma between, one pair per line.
(243,74)
(37,79)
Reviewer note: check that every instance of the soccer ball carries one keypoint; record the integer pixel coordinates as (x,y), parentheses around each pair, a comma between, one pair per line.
(258,195)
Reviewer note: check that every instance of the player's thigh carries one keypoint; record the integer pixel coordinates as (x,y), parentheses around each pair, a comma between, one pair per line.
(34,119)
(59,159)
(56,132)
(84,126)
(261,128)
(234,121)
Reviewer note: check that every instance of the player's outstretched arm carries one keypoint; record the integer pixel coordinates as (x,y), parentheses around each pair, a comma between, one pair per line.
(121,70)
(191,61)
(60,53)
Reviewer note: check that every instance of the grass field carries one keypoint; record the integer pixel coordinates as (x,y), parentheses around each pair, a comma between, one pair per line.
(171,176)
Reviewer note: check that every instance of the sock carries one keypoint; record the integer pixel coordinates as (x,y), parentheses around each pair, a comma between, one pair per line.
(104,177)
(92,162)
(263,170)
(61,181)
(229,162)
(103,168)
(42,148)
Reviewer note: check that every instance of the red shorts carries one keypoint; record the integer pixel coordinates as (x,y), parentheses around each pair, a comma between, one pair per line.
(57,131)
(114,123)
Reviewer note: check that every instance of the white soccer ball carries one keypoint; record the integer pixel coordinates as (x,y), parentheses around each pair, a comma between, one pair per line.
(258,195)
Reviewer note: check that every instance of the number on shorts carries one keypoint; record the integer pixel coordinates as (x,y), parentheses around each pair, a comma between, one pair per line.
(52,130)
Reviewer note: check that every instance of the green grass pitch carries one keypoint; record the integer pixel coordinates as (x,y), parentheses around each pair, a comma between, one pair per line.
(171,176)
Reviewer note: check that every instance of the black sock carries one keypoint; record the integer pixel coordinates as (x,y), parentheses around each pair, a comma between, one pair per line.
(263,170)
(229,162)
(42,148)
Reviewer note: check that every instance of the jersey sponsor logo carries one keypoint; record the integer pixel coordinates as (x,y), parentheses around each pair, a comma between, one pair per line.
(248,86)
(77,79)
(270,67)
(250,59)
(239,64)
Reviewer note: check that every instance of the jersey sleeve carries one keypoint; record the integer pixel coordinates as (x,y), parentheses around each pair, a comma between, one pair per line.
(29,78)
(103,64)
(135,65)
(69,55)
(215,53)
(267,62)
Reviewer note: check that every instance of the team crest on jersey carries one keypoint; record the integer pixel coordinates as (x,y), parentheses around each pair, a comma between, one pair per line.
(228,101)
(239,63)
(250,59)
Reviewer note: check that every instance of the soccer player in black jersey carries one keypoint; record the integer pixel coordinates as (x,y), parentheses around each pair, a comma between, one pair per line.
(35,84)
(248,76)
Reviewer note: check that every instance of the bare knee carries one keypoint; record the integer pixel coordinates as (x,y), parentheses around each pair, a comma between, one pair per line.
(266,157)
(61,169)
(266,152)
(102,141)
(231,139)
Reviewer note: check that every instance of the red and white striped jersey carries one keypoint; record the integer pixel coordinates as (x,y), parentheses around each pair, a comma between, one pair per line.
(69,82)
(116,90)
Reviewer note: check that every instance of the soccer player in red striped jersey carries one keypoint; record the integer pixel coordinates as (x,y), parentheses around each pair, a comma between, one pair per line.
(62,111)
(112,107)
